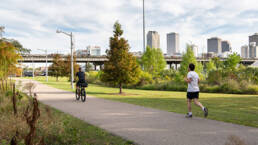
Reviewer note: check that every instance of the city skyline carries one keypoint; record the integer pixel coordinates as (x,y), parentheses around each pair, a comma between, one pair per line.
(33,23)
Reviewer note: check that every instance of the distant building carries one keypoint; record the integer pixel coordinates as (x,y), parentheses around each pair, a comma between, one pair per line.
(214,45)
(253,42)
(81,53)
(153,39)
(94,50)
(253,50)
(195,50)
(226,46)
(172,43)
(245,51)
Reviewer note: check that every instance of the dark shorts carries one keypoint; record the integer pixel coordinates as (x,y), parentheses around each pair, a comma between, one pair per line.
(192,95)
(81,83)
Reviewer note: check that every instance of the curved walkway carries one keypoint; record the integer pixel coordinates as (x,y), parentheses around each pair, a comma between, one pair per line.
(142,125)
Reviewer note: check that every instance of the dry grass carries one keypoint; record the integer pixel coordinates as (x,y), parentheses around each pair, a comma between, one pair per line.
(52,127)
(235,140)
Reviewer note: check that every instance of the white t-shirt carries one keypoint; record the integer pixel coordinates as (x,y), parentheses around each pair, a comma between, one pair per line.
(193,86)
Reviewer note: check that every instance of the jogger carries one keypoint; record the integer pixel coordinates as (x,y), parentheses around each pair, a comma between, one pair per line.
(193,90)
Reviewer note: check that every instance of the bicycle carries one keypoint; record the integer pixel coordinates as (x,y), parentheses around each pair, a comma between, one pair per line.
(81,93)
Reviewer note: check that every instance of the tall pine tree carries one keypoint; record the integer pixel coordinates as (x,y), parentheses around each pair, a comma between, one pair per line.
(122,67)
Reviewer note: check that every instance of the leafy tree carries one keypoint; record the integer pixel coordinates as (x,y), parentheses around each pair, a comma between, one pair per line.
(67,66)
(210,66)
(217,62)
(18,45)
(188,58)
(122,67)
(8,58)
(153,61)
(57,68)
(232,61)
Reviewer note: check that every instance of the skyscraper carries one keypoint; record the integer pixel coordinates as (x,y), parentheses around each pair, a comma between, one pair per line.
(214,45)
(226,46)
(253,43)
(172,43)
(153,39)
(253,50)
(245,51)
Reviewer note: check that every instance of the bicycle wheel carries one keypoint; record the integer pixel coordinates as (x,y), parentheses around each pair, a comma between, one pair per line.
(77,95)
(83,96)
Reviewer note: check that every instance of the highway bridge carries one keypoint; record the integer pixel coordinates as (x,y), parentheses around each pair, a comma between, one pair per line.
(99,60)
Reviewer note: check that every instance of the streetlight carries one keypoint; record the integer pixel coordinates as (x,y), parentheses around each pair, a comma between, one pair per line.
(143,12)
(46,63)
(71,37)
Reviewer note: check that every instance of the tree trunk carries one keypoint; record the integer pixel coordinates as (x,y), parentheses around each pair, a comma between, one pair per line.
(56,78)
(120,88)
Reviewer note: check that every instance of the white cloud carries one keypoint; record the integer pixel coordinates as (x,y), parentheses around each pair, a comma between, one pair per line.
(33,22)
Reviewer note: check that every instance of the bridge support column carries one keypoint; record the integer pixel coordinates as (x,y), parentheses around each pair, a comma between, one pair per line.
(170,65)
(95,67)
(176,66)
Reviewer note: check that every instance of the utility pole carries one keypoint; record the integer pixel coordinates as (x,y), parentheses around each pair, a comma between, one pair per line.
(143,11)
(71,37)
(72,59)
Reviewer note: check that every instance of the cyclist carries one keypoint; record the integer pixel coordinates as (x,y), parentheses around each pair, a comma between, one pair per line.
(81,77)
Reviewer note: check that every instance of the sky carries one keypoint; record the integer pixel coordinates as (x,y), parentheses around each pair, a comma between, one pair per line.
(34,22)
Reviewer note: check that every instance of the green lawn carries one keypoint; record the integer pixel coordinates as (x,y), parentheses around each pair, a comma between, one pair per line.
(238,109)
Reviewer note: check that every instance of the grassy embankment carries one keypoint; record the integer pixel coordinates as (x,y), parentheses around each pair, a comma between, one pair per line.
(54,126)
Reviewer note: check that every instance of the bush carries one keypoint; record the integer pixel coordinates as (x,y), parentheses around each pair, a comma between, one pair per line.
(92,77)
(252,89)
(230,86)
(144,79)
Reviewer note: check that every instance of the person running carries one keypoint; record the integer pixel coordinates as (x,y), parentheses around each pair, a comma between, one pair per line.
(193,90)
(81,77)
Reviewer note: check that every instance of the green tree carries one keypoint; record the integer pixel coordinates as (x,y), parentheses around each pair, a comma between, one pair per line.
(217,62)
(232,61)
(188,58)
(210,66)
(67,66)
(153,61)
(122,67)
(8,58)
(57,68)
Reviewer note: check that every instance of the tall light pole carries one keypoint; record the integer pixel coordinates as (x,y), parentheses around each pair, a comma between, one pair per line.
(46,64)
(143,13)
(71,37)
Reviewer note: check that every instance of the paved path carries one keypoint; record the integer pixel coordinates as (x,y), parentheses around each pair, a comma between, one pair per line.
(145,126)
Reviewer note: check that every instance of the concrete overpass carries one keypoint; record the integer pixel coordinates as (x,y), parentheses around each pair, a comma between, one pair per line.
(99,60)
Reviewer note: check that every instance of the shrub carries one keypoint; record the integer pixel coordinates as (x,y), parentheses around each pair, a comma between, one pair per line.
(92,77)
(252,89)
(215,77)
(144,79)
